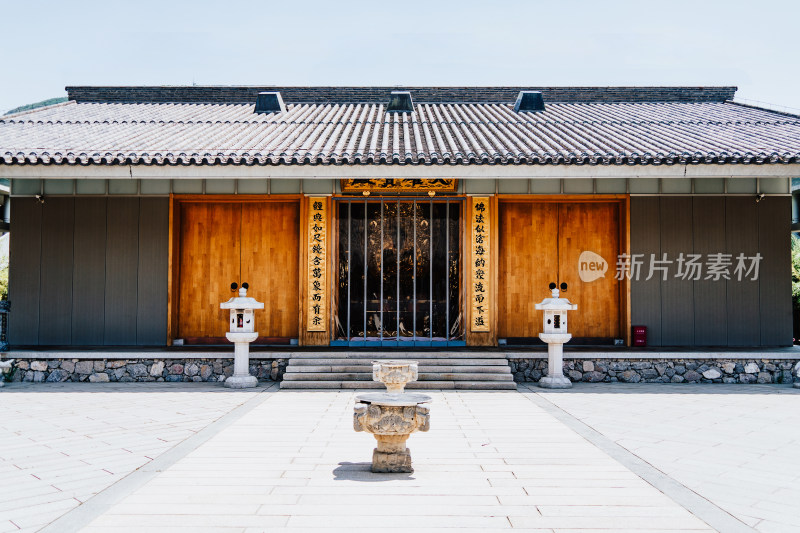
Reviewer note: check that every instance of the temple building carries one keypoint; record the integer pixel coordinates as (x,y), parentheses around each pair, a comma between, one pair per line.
(416,217)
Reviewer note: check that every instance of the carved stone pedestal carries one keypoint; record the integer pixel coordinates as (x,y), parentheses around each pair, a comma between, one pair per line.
(391,455)
(391,418)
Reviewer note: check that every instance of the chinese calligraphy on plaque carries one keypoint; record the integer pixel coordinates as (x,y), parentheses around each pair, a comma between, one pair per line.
(317,258)
(480,266)
(399,185)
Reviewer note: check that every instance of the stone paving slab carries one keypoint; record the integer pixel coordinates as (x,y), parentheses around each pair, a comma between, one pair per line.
(736,446)
(62,443)
(198,457)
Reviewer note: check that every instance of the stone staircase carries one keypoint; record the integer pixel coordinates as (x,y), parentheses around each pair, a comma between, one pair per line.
(437,370)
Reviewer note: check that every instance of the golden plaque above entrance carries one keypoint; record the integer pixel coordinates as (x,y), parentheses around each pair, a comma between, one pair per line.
(399,185)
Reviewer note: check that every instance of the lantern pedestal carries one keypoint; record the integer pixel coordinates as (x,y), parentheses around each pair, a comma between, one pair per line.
(555,378)
(241,378)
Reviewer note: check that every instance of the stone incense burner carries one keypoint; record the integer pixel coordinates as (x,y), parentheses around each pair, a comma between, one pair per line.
(392,416)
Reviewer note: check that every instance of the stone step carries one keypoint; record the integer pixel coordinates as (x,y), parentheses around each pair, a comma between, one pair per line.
(398,355)
(415,385)
(432,376)
(368,361)
(497,369)
(437,370)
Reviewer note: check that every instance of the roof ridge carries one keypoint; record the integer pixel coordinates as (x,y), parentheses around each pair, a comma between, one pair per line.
(421,94)
(767,109)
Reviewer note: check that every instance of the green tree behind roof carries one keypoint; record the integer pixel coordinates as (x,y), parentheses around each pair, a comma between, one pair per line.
(796,284)
(43,103)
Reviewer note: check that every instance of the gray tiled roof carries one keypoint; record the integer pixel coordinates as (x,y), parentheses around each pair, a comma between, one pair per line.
(436,133)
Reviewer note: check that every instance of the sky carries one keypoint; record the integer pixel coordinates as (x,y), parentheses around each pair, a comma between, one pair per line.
(45,46)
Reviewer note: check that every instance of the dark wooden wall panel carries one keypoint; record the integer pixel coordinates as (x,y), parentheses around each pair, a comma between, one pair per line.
(89,273)
(24,274)
(646,240)
(55,298)
(122,265)
(705,312)
(151,321)
(710,298)
(774,227)
(741,234)
(677,298)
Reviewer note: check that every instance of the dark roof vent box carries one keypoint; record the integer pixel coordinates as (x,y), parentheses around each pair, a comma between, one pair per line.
(529,101)
(400,102)
(270,103)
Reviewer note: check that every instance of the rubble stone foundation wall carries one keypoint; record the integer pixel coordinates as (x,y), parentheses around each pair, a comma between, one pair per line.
(661,370)
(128,370)
(523,369)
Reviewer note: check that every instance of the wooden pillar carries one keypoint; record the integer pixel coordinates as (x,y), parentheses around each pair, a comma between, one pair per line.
(173,281)
(316,261)
(481,270)
(625,283)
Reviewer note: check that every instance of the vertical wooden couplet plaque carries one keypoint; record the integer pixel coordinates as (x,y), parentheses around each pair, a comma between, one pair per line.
(317,261)
(480,266)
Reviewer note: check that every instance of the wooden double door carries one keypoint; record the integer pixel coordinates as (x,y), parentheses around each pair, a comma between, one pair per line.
(542,242)
(238,242)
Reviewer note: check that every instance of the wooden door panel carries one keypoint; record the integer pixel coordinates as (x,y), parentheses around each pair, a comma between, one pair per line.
(270,264)
(209,263)
(528,263)
(592,227)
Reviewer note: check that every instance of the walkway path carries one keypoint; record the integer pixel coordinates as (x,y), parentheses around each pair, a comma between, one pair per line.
(737,446)
(62,443)
(238,461)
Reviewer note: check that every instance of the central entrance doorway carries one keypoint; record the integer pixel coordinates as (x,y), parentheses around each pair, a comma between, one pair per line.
(399,273)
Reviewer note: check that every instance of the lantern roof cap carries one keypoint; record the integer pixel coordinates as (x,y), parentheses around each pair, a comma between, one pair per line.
(242,302)
(556,303)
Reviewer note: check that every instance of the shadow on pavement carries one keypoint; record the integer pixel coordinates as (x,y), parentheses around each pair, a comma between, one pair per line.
(362,472)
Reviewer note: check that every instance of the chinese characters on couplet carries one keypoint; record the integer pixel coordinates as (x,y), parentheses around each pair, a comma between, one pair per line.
(689,267)
(480,265)
(317,257)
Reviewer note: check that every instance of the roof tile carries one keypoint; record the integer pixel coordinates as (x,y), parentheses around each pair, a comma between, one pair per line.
(435,133)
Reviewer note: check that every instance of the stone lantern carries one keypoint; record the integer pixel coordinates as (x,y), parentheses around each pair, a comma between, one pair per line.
(555,335)
(5,368)
(241,333)
(797,373)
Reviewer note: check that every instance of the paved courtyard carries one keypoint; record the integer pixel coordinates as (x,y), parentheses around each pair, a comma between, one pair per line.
(197,457)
